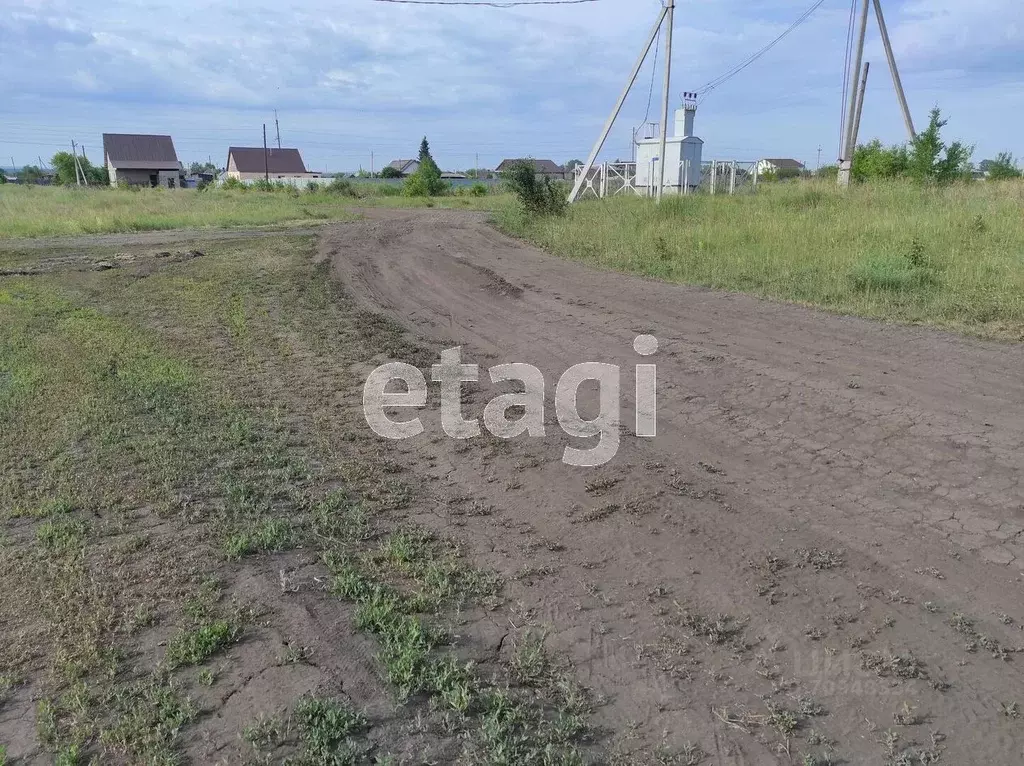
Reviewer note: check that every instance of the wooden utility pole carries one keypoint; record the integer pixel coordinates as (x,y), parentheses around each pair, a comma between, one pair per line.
(266,158)
(277,127)
(897,83)
(670,18)
(846,154)
(599,144)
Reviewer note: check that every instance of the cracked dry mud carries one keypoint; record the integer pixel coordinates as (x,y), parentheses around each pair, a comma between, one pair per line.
(836,489)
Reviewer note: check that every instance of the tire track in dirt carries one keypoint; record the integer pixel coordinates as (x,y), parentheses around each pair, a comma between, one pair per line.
(782,432)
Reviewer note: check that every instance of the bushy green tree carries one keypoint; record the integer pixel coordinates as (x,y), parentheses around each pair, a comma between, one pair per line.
(390,172)
(426,181)
(873,161)
(30,174)
(1004,166)
(63,164)
(537,195)
(931,160)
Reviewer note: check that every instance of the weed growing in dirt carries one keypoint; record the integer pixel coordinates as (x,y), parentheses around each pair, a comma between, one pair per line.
(327,728)
(196,645)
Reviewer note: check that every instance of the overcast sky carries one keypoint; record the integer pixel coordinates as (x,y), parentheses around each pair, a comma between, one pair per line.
(353,76)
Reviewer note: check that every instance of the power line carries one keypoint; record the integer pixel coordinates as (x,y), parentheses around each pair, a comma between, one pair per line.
(847,63)
(706,89)
(654,76)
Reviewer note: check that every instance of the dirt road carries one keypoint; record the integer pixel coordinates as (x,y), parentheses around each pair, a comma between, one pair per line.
(821,551)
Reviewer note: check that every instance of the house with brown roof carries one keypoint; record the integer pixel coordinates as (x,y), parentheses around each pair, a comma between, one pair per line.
(141,160)
(545,168)
(253,163)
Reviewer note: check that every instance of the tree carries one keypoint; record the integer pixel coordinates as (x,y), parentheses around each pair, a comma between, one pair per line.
(1004,166)
(65,175)
(390,172)
(538,196)
(426,181)
(30,174)
(930,160)
(202,167)
(873,161)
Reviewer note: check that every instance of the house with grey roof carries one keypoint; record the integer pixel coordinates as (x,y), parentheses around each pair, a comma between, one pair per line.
(253,163)
(545,168)
(141,160)
(405,167)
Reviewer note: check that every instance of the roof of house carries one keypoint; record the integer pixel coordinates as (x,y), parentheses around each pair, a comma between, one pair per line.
(277,161)
(131,151)
(401,165)
(786,164)
(450,174)
(541,166)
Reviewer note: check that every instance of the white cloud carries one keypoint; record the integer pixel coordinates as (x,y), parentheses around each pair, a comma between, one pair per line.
(349,76)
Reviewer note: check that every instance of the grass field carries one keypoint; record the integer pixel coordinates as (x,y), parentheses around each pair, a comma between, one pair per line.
(952,257)
(37,211)
(166,424)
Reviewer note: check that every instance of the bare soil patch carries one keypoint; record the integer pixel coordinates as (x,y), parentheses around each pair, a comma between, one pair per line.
(785,571)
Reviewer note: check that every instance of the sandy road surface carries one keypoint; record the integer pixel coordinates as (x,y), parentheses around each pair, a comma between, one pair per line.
(848,492)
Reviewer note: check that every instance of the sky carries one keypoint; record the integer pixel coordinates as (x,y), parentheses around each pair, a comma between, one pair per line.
(353,77)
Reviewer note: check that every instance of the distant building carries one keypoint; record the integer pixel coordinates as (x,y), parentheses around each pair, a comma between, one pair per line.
(453,176)
(779,165)
(405,167)
(545,168)
(253,163)
(141,160)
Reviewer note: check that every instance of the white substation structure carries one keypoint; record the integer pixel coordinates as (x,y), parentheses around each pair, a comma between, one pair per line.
(682,157)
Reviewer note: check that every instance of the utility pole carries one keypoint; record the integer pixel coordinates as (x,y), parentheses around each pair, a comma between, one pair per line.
(266,158)
(670,17)
(860,106)
(819,157)
(371,163)
(74,156)
(846,151)
(852,127)
(277,126)
(599,144)
(897,83)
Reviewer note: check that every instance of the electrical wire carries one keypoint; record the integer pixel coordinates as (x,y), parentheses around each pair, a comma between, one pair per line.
(709,86)
(654,76)
(847,66)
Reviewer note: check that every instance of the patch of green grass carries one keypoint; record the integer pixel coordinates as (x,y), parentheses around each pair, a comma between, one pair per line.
(36,211)
(196,645)
(61,535)
(327,728)
(268,535)
(150,716)
(948,256)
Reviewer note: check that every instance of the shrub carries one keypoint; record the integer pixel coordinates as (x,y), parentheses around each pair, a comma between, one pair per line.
(233,183)
(426,181)
(1004,166)
(537,196)
(343,187)
(478,190)
(390,172)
